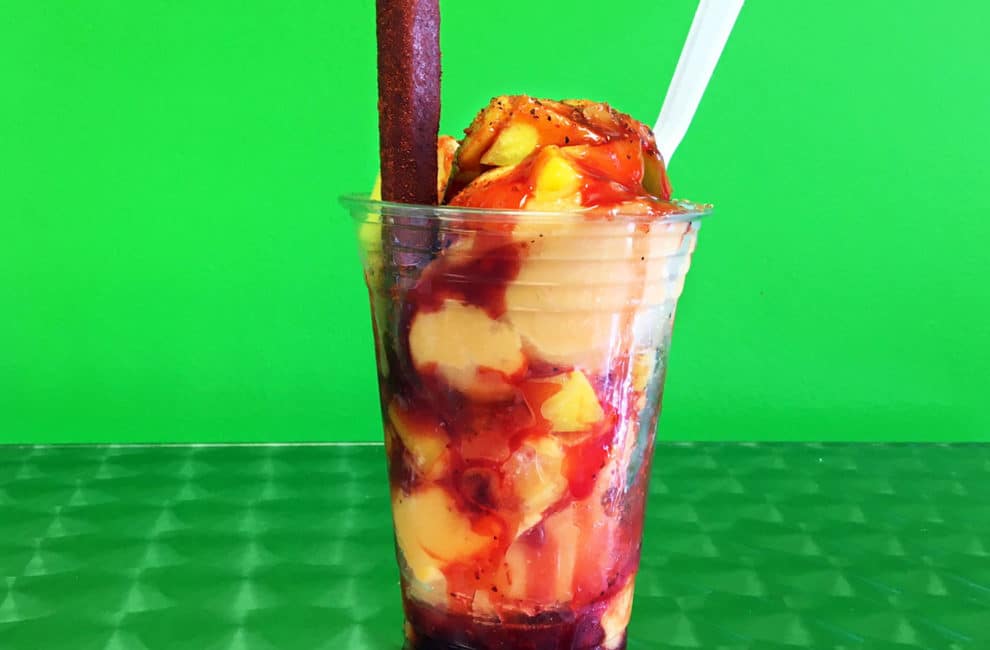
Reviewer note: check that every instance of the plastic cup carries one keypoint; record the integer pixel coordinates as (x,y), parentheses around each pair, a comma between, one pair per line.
(521,361)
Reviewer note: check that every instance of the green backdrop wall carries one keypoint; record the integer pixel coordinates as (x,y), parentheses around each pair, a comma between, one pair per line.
(173,265)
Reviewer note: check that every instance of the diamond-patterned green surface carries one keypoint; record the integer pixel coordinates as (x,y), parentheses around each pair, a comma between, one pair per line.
(748,547)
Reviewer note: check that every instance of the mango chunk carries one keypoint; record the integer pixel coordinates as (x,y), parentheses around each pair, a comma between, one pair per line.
(557,182)
(481,605)
(655,179)
(642,369)
(446,151)
(431,532)
(562,531)
(567,338)
(525,123)
(535,470)
(479,137)
(547,180)
(573,285)
(433,592)
(511,145)
(513,576)
(370,235)
(494,188)
(608,120)
(461,340)
(575,407)
(425,440)
(617,614)
(546,570)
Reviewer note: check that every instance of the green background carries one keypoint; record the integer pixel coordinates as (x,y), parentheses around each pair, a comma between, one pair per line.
(174,266)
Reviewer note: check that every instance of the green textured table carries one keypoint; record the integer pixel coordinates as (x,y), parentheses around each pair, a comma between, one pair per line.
(271,547)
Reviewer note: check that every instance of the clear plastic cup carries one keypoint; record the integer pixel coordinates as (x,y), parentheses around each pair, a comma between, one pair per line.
(521,360)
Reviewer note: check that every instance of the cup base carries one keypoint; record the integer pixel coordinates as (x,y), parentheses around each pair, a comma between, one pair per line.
(434,630)
(442,645)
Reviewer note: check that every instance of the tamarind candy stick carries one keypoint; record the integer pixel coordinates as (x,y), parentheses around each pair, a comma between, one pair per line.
(408,99)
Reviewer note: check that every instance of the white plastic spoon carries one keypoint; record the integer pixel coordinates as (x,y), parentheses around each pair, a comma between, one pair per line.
(710,30)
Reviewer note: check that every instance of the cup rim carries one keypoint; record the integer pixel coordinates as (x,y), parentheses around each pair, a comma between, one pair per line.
(363,204)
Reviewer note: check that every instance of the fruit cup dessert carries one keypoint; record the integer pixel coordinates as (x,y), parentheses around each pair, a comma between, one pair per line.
(521,353)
